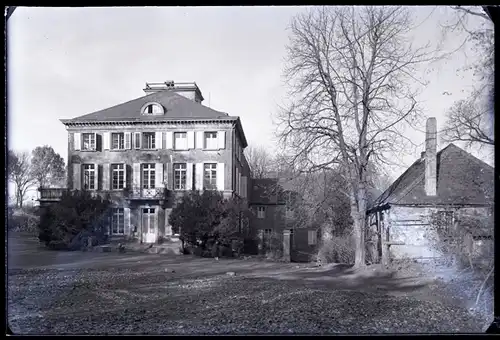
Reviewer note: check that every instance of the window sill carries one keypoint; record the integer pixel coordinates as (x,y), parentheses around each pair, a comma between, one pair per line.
(87,150)
(210,149)
(119,150)
(144,149)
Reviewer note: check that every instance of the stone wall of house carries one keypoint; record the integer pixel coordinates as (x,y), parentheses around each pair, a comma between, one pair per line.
(167,157)
(160,155)
(414,226)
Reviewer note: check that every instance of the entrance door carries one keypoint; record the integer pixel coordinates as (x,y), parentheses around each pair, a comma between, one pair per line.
(149,225)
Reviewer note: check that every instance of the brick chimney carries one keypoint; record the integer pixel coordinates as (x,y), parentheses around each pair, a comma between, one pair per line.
(188,90)
(430,157)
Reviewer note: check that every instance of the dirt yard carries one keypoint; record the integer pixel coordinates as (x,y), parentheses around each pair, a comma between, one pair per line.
(53,292)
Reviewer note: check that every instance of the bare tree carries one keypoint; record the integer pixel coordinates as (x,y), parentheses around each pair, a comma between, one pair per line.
(352,75)
(260,161)
(47,166)
(471,120)
(20,173)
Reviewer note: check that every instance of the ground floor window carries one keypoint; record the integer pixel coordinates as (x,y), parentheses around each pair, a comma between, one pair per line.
(118,222)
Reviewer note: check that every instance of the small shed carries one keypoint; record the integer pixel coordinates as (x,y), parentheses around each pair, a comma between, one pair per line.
(439,190)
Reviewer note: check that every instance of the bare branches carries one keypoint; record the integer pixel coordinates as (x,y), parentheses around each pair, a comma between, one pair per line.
(350,72)
(260,161)
(468,122)
(471,12)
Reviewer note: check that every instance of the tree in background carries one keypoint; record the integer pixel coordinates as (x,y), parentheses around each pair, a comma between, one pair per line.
(260,161)
(19,172)
(471,120)
(351,73)
(48,167)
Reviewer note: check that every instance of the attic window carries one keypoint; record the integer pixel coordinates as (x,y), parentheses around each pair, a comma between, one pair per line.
(152,109)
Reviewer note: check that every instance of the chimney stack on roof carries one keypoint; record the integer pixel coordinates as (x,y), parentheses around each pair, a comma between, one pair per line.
(431,157)
(188,90)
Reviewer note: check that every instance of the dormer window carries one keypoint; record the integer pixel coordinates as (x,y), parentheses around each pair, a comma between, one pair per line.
(152,109)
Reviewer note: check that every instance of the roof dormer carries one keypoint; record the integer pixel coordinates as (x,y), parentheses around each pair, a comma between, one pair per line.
(152,109)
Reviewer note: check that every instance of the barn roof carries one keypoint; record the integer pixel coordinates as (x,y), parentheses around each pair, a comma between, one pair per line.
(462,179)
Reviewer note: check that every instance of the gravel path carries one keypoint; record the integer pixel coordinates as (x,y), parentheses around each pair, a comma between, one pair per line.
(118,301)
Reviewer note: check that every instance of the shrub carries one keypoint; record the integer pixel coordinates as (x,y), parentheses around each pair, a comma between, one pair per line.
(210,223)
(76,217)
(341,249)
(23,220)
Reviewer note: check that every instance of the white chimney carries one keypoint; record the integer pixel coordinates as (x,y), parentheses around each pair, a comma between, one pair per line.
(430,157)
(188,90)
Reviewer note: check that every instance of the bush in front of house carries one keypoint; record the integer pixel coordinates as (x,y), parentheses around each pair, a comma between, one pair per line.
(209,225)
(23,220)
(76,218)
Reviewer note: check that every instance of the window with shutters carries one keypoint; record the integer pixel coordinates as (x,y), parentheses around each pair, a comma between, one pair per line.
(312,237)
(118,221)
(118,141)
(210,141)
(180,141)
(180,176)
(88,141)
(118,176)
(148,140)
(261,212)
(210,176)
(148,176)
(89,177)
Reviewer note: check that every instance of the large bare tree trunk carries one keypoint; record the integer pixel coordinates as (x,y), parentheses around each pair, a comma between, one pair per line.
(352,73)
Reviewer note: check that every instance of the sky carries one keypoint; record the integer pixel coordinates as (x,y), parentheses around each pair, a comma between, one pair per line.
(67,62)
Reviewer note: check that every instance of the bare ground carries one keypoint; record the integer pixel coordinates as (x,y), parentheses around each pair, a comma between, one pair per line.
(53,292)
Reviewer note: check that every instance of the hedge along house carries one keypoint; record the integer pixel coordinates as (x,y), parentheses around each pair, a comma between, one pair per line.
(446,189)
(146,153)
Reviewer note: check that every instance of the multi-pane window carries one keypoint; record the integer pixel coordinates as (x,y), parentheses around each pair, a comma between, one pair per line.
(261,212)
(118,222)
(312,237)
(148,176)
(152,109)
(210,140)
(118,141)
(148,140)
(88,141)
(180,140)
(89,177)
(118,176)
(180,170)
(210,176)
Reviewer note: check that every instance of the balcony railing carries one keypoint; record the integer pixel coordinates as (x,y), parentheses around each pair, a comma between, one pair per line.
(139,193)
(51,194)
(135,193)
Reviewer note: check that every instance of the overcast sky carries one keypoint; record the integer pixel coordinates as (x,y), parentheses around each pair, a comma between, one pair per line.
(67,62)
